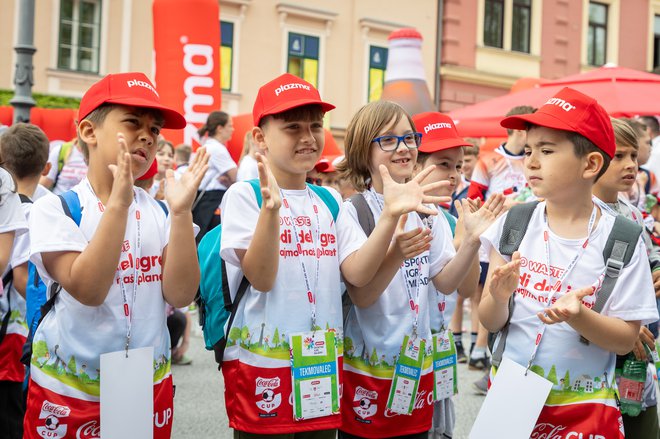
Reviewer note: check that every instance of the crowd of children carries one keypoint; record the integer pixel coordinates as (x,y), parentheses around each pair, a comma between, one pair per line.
(353,271)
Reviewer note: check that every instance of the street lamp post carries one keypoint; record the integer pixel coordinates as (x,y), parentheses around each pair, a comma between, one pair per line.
(23,79)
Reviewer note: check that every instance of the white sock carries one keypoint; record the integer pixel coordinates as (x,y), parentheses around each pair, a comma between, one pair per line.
(478,352)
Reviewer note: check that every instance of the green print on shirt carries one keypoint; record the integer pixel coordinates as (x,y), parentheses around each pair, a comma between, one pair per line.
(80,379)
(373,363)
(275,345)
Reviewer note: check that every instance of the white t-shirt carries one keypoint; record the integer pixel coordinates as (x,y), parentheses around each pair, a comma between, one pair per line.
(219,163)
(73,171)
(81,333)
(247,169)
(442,305)
(653,164)
(382,326)
(576,370)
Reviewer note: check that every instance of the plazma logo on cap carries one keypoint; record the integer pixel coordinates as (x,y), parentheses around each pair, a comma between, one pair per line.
(291,86)
(138,83)
(436,126)
(564,105)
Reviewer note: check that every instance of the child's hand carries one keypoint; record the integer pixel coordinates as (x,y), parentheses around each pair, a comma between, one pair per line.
(121,194)
(476,221)
(645,338)
(270,190)
(180,194)
(401,198)
(504,279)
(566,308)
(411,243)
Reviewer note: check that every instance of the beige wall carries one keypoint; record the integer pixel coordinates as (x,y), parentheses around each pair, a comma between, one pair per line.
(345,27)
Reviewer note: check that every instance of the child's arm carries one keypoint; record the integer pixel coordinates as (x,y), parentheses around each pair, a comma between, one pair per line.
(360,267)
(406,245)
(180,265)
(6,244)
(501,282)
(471,281)
(260,261)
(20,278)
(475,222)
(610,333)
(88,275)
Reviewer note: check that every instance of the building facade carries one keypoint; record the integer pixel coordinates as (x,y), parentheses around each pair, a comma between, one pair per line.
(341,46)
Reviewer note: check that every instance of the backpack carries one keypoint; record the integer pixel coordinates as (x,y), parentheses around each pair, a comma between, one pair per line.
(35,291)
(216,309)
(617,253)
(37,302)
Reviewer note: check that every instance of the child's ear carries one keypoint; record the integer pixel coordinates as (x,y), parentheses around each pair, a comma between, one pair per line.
(87,133)
(593,163)
(259,138)
(46,169)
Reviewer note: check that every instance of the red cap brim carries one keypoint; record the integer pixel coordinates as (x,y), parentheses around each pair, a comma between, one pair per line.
(288,105)
(440,145)
(521,122)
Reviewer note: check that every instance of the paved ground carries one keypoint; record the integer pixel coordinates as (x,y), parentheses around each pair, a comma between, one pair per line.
(199,410)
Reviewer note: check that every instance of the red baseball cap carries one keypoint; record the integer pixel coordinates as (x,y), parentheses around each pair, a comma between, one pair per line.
(438,132)
(133,89)
(324,165)
(570,110)
(284,93)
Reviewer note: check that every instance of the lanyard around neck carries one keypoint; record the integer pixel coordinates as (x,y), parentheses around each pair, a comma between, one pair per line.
(311,290)
(556,286)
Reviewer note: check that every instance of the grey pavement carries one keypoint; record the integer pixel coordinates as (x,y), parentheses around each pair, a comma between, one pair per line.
(199,405)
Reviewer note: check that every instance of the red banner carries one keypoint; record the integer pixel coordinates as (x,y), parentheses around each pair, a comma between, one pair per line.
(187,59)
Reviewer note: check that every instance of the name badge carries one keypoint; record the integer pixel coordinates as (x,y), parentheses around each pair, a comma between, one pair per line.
(407,373)
(315,375)
(127,394)
(445,374)
(513,404)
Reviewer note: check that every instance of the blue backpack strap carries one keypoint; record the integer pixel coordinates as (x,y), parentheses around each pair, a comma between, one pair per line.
(71,206)
(257,190)
(327,198)
(451,220)
(162,206)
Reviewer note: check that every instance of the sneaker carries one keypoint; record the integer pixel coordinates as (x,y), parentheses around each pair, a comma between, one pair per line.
(460,354)
(482,363)
(481,385)
(183,360)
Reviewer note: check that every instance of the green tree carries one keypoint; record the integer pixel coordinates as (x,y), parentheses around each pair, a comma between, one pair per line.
(374,357)
(552,376)
(234,334)
(537,370)
(245,333)
(567,381)
(39,349)
(276,338)
(72,365)
(348,346)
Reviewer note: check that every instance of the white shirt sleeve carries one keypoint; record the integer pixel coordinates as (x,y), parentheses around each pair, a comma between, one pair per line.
(20,254)
(221,160)
(350,236)
(51,231)
(239,212)
(12,218)
(53,156)
(442,246)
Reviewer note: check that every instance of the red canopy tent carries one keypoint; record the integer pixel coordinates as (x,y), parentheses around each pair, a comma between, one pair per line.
(621,91)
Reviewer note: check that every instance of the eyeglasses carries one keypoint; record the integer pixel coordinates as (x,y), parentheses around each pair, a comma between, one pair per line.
(391,143)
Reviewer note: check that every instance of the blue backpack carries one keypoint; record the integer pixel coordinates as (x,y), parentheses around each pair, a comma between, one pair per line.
(216,309)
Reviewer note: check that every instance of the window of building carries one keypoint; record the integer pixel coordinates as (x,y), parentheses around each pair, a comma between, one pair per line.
(494,23)
(656,41)
(377,65)
(226,54)
(303,58)
(521,25)
(597,34)
(79,35)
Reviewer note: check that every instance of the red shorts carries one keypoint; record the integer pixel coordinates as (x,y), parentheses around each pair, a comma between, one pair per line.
(585,420)
(53,416)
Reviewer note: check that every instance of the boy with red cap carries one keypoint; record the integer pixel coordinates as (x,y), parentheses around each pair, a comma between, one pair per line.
(443,149)
(290,249)
(110,270)
(553,328)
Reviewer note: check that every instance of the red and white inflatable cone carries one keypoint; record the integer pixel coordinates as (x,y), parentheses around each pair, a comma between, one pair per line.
(405,81)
